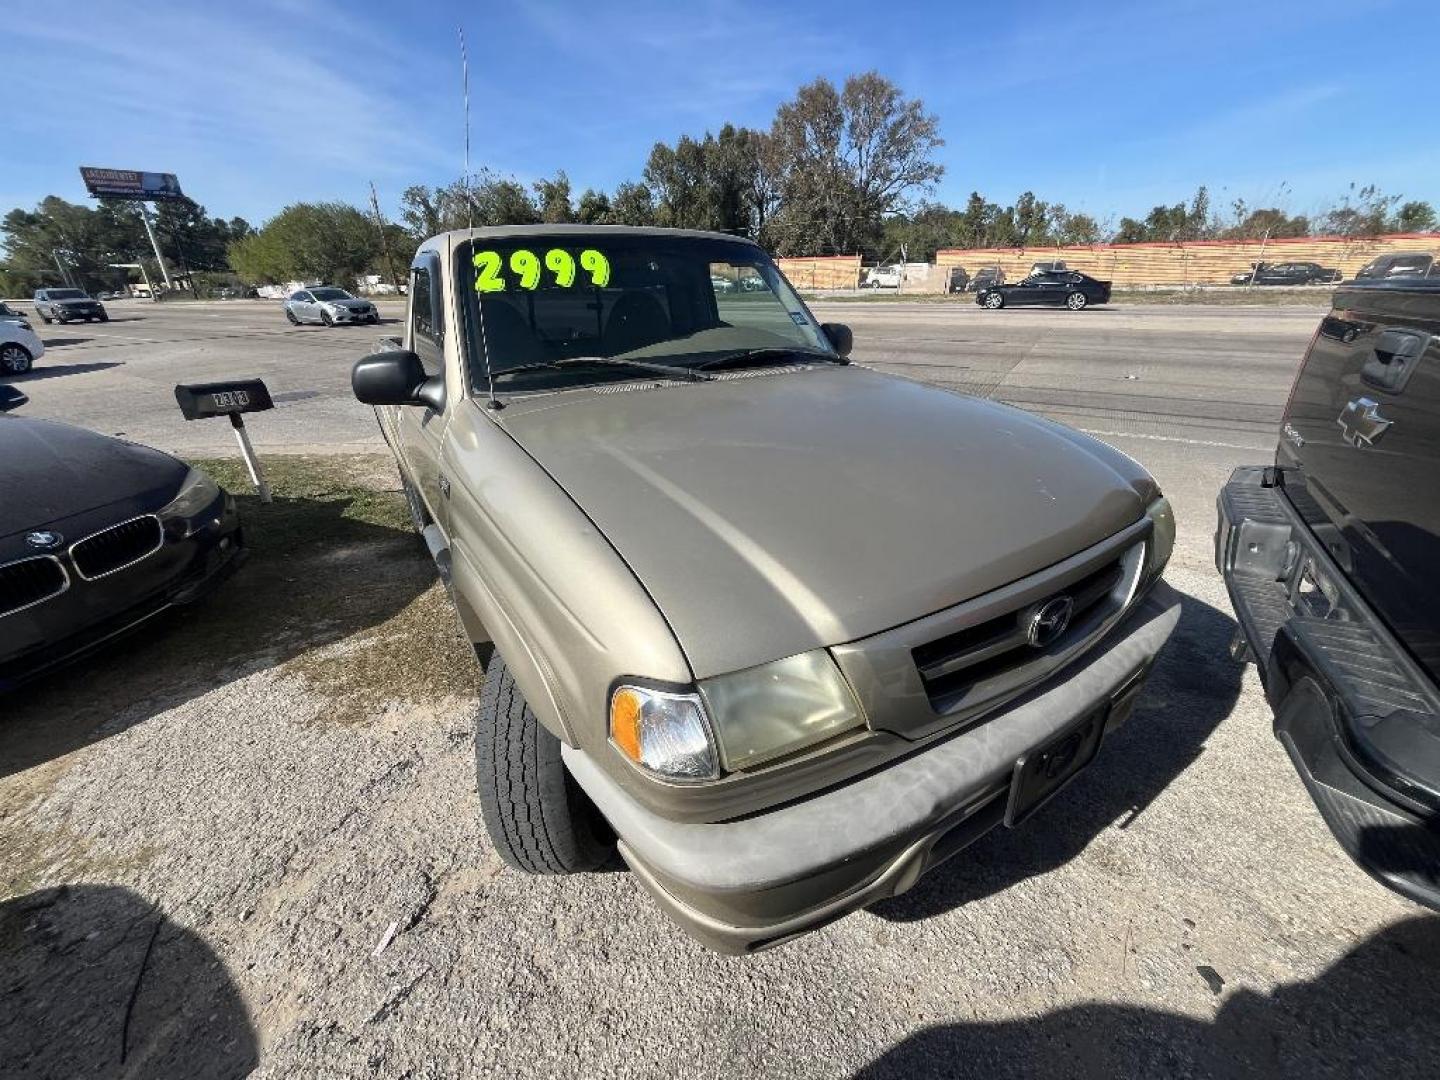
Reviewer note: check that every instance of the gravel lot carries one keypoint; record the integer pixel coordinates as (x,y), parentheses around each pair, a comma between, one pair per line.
(208,834)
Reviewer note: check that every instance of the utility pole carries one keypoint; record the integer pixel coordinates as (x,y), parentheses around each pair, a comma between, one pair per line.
(150,232)
(384,240)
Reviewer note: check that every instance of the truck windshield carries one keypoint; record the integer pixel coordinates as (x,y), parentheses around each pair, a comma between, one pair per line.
(535,306)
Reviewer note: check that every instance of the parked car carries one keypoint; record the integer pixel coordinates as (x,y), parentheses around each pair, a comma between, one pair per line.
(1330,555)
(1290,273)
(20,347)
(985,277)
(957,280)
(882,277)
(68,305)
(328,305)
(720,624)
(11,315)
(99,536)
(1407,265)
(1065,288)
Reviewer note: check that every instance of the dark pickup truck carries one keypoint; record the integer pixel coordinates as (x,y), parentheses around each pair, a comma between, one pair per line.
(1332,560)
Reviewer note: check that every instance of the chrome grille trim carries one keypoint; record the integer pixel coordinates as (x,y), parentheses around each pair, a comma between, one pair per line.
(882,669)
(64,582)
(101,533)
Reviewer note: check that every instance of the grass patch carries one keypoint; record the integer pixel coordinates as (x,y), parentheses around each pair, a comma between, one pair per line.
(340,583)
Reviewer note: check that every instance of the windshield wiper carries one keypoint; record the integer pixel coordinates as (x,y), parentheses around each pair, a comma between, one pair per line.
(770,352)
(680,372)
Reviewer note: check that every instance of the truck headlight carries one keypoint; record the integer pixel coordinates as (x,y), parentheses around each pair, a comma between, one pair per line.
(197,492)
(775,709)
(663,732)
(1162,536)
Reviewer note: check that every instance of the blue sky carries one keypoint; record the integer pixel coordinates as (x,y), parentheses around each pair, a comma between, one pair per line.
(1107,107)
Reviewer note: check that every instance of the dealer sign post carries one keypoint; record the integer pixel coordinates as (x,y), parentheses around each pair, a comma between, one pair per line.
(201,401)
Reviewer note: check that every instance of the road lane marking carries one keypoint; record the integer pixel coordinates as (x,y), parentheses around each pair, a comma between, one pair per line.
(1175,439)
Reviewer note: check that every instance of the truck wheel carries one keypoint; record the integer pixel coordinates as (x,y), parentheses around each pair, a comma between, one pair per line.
(15,359)
(537,817)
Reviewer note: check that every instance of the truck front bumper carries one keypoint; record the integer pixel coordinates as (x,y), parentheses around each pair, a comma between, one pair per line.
(741,886)
(1356,715)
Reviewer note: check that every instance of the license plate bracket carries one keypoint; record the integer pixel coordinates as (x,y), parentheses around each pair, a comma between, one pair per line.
(1045,770)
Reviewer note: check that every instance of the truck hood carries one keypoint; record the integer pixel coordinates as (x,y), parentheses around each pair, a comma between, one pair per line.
(51,471)
(779,512)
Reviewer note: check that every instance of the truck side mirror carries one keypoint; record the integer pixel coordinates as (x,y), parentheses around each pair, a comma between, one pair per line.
(839,336)
(396,378)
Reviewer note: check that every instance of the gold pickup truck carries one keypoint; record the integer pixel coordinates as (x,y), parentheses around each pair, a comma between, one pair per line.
(781,630)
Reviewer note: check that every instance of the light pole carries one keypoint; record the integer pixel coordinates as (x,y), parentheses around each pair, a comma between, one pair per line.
(150,232)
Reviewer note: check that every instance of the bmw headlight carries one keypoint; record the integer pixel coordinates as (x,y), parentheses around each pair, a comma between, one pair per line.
(1162,536)
(775,709)
(196,493)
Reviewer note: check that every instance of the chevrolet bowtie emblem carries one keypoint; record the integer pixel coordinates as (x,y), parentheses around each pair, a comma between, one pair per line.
(1361,424)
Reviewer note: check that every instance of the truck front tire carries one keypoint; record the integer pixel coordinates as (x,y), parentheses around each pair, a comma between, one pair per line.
(538,818)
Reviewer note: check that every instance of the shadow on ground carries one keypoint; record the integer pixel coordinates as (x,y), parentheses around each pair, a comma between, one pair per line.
(43,370)
(97,982)
(330,559)
(1375,1012)
(1193,687)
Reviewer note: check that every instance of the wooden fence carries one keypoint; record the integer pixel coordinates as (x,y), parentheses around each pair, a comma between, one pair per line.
(823,272)
(1196,262)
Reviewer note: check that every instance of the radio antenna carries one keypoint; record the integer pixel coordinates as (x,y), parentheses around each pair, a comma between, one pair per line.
(494,404)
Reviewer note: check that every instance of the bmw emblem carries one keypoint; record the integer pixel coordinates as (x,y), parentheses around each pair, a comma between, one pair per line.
(44,540)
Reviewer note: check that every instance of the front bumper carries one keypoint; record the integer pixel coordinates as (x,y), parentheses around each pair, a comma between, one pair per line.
(740,886)
(1358,718)
(90,614)
(345,315)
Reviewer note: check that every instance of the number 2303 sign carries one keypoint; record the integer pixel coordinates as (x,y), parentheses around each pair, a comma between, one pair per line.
(529,270)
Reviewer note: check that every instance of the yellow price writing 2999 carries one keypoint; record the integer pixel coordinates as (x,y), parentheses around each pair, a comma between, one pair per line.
(525,269)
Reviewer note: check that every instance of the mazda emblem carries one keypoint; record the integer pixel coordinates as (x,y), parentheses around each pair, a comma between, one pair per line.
(1050,621)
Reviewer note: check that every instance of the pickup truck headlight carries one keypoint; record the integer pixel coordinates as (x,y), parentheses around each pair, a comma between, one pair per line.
(1162,537)
(775,709)
(197,492)
(663,732)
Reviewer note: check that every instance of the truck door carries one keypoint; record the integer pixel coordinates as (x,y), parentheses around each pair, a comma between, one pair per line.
(418,428)
(1360,454)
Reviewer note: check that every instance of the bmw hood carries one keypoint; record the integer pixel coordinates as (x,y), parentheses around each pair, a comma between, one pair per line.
(780,512)
(51,471)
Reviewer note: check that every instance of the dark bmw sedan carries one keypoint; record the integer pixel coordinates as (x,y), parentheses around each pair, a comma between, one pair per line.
(1047,288)
(97,535)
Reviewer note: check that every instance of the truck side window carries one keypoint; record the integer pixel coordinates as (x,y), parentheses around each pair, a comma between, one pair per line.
(427,336)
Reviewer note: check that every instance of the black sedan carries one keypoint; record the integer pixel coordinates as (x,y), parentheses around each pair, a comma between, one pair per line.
(1291,273)
(100,535)
(1050,288)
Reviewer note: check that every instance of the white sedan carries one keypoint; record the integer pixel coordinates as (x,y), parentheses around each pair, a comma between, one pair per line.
(20,347)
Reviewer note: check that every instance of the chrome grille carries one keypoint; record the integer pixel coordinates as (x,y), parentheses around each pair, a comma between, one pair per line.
(975,665)
(117,547)
(27,582)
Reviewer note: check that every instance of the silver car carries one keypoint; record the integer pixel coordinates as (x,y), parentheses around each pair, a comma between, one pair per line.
(329,305)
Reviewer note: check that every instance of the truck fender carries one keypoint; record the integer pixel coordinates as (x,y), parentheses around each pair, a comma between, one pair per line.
(485,620)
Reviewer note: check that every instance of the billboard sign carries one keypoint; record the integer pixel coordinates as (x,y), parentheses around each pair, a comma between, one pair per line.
(126,184)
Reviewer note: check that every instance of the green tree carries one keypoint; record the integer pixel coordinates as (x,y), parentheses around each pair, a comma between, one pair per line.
(1415,216)
(329,241)
(594,207)
(852,156)
(1360,212)
(553,196)
(632,204)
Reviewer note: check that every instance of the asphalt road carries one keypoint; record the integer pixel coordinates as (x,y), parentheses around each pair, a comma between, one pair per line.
(1179,911)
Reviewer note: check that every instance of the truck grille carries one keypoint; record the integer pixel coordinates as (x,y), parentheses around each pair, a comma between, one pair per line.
(117,547)
(983,662)
(27,582)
